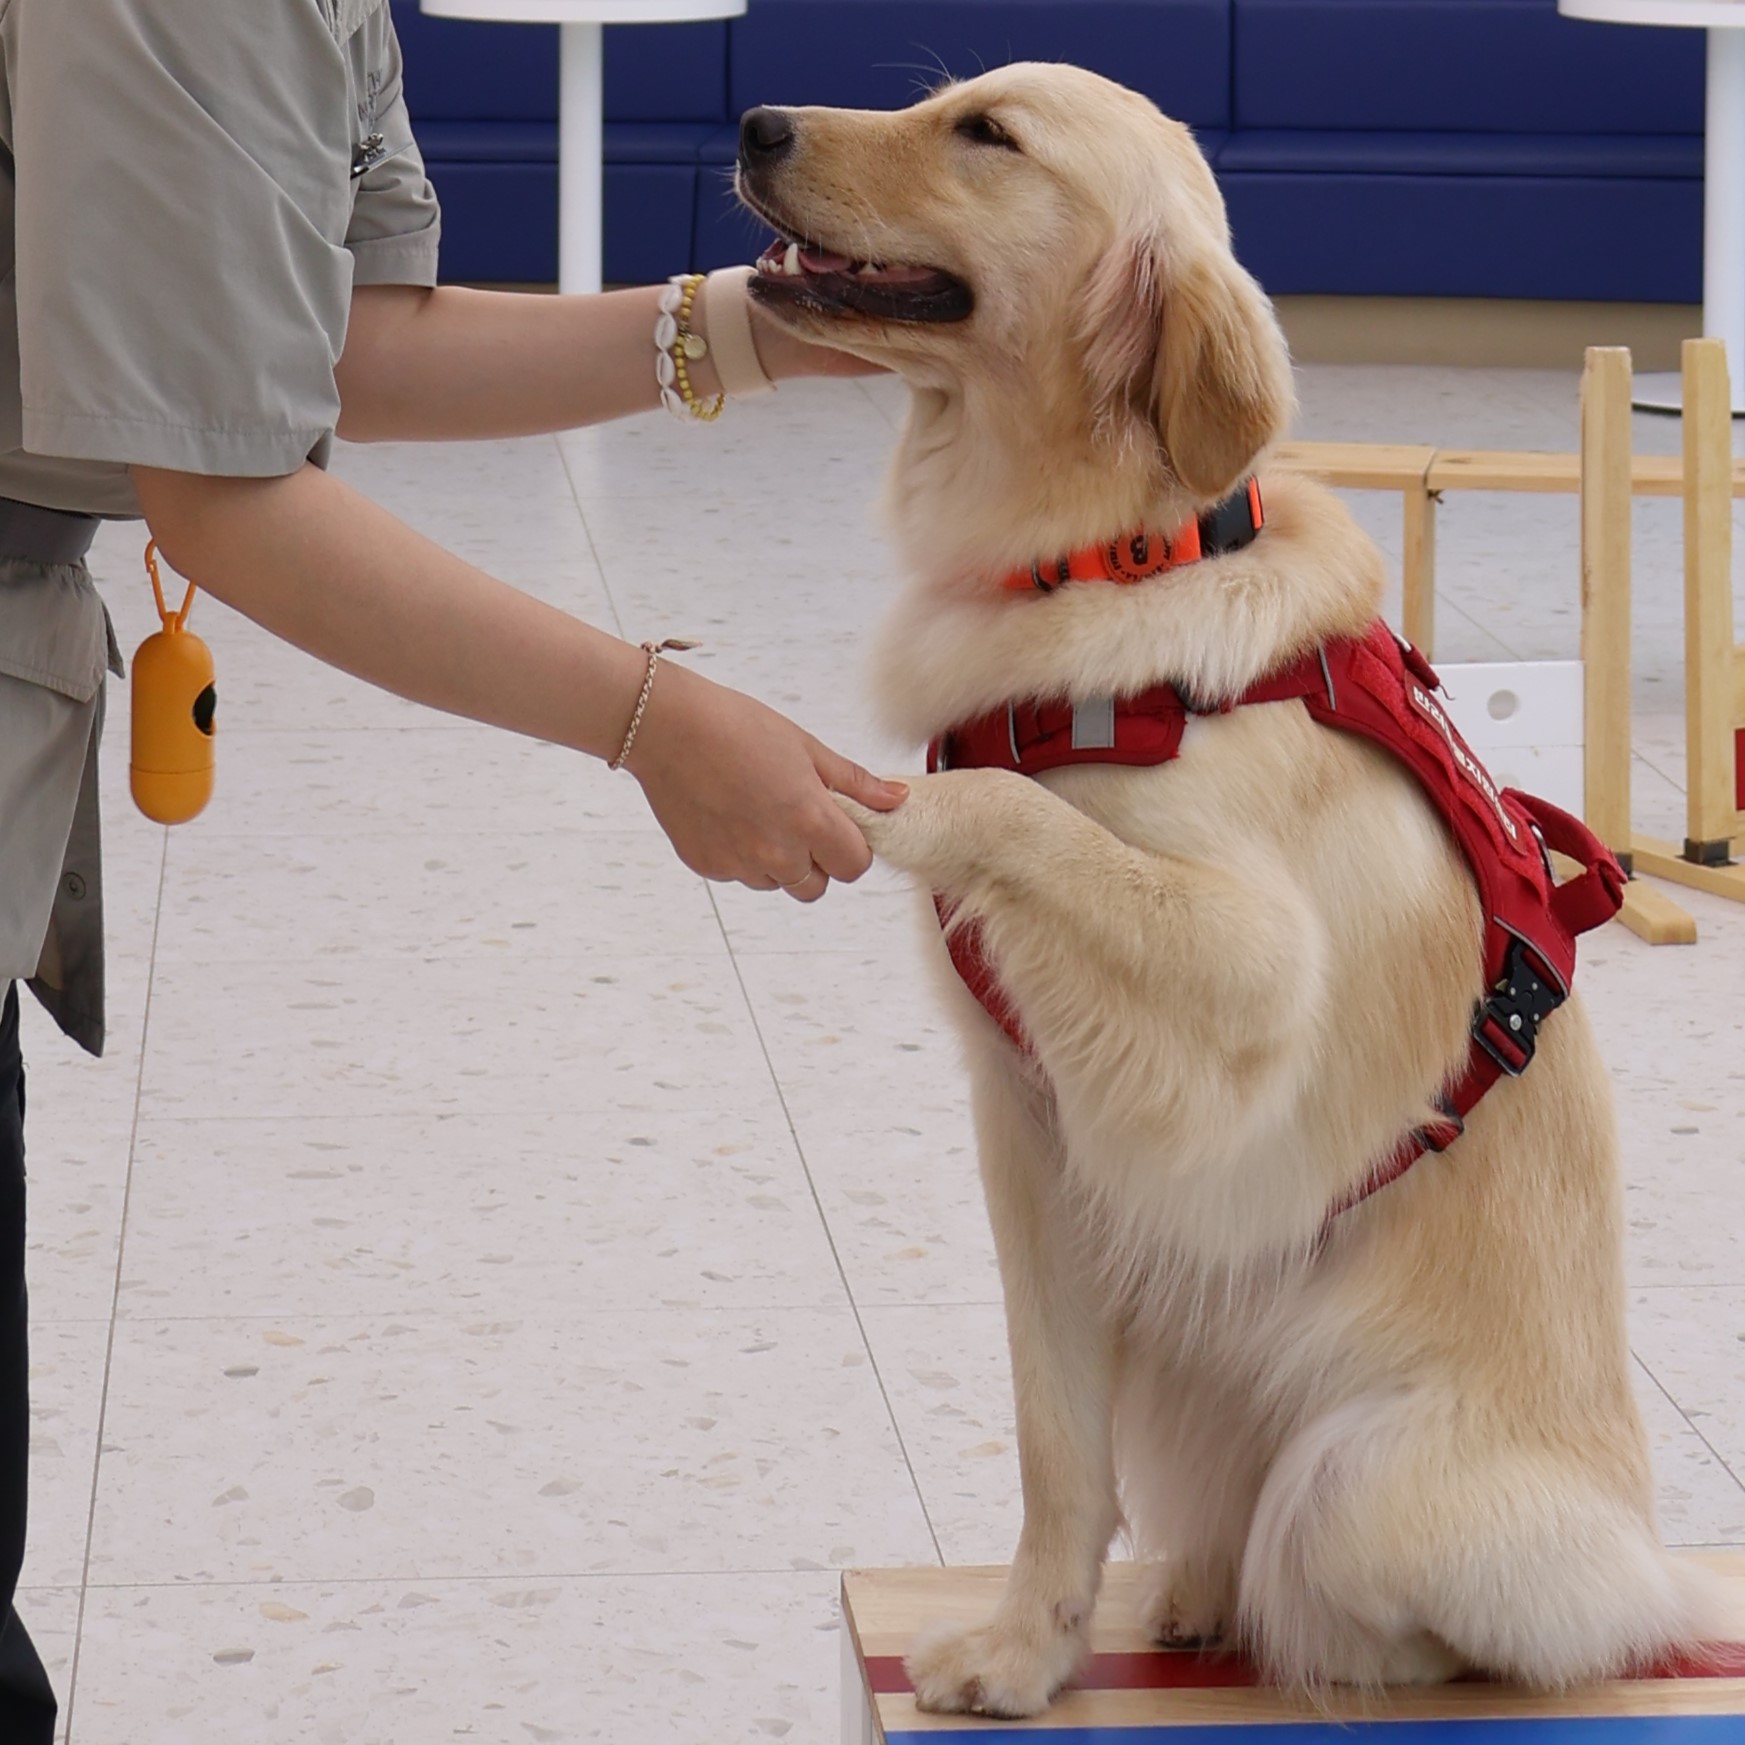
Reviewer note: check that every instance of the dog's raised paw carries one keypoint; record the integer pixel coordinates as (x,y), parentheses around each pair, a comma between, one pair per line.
(952,825)
(989,1670)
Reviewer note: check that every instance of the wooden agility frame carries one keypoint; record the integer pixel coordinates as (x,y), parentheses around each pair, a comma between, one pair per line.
(1423,475)
(1607,476)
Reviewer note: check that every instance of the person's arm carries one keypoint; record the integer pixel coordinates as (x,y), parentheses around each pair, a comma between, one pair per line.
(742,792)
(428,365)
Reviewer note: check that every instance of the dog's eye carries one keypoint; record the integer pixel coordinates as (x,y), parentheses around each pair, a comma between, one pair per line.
(985,130)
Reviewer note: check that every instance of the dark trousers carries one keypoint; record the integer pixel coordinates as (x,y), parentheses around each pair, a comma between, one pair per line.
(27,1704)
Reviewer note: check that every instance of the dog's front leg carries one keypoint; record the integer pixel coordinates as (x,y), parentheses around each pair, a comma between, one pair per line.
(1064,1355)
(1167,999)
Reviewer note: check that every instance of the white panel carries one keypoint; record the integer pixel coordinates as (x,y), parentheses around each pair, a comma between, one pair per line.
(1524,702)
(1524,720)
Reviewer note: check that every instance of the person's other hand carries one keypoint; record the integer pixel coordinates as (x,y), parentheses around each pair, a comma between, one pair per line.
(745,795)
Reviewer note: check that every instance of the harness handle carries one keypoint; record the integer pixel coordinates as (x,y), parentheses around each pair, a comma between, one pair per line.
(1597,893)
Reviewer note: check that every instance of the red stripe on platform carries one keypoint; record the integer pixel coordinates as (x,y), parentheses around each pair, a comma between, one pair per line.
(1165,1670)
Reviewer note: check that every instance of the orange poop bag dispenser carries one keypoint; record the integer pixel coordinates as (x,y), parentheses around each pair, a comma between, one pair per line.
(174,705)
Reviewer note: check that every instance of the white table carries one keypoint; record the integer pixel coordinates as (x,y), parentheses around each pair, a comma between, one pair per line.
(1723,175)
(581,109)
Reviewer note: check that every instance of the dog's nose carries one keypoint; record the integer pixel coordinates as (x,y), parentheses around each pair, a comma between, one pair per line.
(764,135)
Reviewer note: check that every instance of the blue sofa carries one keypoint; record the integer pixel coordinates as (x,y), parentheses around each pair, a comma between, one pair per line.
(1405,147)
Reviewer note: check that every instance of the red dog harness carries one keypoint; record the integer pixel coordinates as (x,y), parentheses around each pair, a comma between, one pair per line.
(1382,690)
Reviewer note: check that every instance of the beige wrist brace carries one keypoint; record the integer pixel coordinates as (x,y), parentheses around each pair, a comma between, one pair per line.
(727,322)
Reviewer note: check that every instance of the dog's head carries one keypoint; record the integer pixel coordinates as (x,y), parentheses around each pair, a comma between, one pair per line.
(1037,220)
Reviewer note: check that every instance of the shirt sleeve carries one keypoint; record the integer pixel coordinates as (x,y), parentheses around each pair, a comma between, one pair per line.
(396,225)
(184,195)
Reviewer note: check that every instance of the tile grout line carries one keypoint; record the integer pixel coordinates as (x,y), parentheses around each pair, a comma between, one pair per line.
(286,1584)
(781,1096)
(830,1238)
(1684,1417)
(588,534)
(438,1314)
(115,1295)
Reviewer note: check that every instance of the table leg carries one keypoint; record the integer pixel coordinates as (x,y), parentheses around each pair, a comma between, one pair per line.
(1723,224)
(581,116)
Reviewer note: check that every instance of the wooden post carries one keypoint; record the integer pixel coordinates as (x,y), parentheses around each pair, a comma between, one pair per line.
(1418,571)
(1708,604)
(1605,595)
(1607,481)
(1714,688)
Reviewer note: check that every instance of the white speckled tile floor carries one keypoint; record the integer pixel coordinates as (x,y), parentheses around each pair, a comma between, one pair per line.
(495,1281)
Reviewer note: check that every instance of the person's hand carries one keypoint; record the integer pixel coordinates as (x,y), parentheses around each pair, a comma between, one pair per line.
(744,794)
(784,354)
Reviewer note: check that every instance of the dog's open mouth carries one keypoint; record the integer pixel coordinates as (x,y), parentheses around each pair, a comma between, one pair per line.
(833,284)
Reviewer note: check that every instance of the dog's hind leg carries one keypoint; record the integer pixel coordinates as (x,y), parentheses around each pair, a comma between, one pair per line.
(1191,1467)
(1393,1546)
(1064,1358)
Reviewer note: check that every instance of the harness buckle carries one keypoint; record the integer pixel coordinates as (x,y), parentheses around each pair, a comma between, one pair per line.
(1506,1023)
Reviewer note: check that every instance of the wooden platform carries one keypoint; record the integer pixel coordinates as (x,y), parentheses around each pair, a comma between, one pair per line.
(1133,1693)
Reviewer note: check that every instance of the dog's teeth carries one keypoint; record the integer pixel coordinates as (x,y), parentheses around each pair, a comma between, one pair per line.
(867,269)
(791,260)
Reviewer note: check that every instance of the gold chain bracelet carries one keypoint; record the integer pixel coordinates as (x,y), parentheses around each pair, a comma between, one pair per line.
(654,650)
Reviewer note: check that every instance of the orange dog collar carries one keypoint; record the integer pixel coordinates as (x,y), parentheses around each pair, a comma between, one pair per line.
(1137,557)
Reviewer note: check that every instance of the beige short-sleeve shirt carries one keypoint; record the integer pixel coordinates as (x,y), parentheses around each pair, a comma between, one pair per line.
(194,187)
(189,192)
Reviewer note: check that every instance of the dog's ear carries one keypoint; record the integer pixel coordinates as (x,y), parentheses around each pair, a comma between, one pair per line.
(1223,375)
(1194,348)
(1118,324)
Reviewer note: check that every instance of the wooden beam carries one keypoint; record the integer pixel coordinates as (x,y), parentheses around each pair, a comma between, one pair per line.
(1463,469)
(1654,917)
(1359,466)
(1665,860)
(1709,672)
(1379,466)
(1605,594)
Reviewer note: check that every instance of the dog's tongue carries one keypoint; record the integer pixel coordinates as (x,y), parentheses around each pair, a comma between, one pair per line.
(822,261)
(899,275)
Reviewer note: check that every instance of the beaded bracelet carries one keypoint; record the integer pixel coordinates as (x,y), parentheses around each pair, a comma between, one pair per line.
(676,346)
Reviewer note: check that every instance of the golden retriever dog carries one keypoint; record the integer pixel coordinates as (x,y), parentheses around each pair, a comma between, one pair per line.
(1388,1449)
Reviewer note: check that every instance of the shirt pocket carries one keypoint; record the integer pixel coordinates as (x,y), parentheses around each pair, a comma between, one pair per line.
(53,649)
(52,630)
